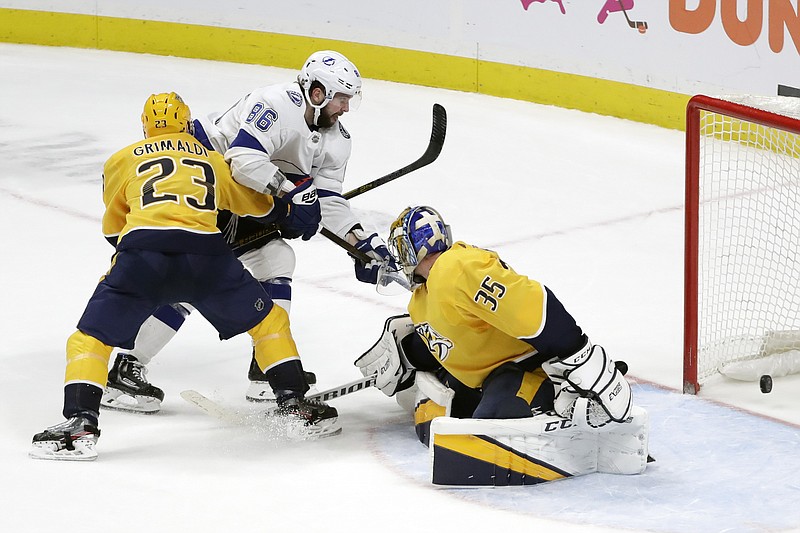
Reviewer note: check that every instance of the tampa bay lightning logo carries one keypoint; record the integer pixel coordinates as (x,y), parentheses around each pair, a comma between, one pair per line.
(328,60)
(295,97)
(343,131)
(437,344)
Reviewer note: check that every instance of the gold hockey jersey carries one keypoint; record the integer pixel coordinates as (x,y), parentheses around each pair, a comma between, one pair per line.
(474,309)
(171,182)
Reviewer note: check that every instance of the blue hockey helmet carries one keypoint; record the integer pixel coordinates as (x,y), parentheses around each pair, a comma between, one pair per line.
(417,232)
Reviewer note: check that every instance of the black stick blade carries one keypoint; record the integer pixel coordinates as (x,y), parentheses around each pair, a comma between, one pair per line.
(438,132)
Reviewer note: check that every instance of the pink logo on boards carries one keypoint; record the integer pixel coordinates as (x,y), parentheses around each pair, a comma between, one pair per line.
(526,3)
(609,6)
(615,6)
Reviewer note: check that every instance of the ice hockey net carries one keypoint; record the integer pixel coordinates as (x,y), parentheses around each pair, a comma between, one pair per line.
(742,249)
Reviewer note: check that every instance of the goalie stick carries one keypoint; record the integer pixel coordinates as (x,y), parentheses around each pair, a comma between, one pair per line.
(220,412)
(344,390)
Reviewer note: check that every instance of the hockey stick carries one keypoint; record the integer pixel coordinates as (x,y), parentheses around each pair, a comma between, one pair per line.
(344,390)
(352,250)
(212,408)
(435,144)
(220,412)
(438,132)
(638,25)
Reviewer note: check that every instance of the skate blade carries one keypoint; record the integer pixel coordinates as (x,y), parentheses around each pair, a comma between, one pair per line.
(298,431)
(260,399)
(84,451)
(119,401)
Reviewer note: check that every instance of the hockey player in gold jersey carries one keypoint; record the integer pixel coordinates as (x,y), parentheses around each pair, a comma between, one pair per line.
(162,195)
(509,389)
(501,341)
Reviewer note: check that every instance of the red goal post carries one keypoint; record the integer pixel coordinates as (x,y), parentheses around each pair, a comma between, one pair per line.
(742,236)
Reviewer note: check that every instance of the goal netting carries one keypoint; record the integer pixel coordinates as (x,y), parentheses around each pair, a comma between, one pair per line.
(742,253)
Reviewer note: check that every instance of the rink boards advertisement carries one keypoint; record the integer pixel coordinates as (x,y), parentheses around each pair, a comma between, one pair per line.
(566,52)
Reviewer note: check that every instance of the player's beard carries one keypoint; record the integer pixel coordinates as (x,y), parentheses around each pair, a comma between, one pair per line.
(326,119)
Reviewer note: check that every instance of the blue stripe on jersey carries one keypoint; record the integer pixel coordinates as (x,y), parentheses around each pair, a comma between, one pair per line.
(246,140)
(278,288)
(327,194)
(201,135)
(170,316)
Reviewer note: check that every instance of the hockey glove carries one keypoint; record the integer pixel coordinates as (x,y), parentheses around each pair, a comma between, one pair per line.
(592,375)
(376,248)
(386,359)
(303,215)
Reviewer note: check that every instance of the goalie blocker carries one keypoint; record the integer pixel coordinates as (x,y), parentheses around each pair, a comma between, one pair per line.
(525,451)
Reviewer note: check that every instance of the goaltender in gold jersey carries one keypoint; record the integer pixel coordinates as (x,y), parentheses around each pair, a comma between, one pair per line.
(504,308)
(488,348)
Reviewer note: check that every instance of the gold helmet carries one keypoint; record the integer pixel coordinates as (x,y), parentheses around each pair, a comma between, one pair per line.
(166,113)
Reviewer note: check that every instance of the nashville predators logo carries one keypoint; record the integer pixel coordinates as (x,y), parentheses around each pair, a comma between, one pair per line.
(437,344)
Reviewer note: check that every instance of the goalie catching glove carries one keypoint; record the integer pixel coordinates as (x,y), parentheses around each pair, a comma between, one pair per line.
(386,360)
(590,388)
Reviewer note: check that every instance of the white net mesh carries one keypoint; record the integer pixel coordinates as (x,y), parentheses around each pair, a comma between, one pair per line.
(749,235)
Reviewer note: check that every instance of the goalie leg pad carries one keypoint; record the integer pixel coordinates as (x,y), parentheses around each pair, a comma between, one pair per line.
(533,450)
(623,448)
(509,452)
(425,412)
(433,399)
(429,386)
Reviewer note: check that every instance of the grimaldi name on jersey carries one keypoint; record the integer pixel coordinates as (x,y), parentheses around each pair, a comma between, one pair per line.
(170,145)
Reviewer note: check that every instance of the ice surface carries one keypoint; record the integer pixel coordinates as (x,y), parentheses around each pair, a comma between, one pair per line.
(589,205)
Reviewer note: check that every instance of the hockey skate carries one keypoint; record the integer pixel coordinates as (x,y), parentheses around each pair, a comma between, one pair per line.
(71,440)
(260,390)
(307,419)
(128,389)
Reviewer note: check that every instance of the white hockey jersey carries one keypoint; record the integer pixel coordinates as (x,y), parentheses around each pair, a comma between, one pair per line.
(266,131)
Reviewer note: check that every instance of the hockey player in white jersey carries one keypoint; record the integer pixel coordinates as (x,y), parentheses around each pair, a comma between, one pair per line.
(274,138)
